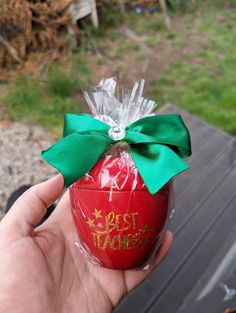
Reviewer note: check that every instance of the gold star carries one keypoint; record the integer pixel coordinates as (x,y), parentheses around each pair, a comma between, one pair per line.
(97,214)
(90,223)
(144,227)
(100,225)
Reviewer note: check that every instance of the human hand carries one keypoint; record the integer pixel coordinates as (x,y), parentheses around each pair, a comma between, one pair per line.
(42,270)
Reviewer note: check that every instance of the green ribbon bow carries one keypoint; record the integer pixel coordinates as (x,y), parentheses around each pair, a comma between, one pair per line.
(157,144)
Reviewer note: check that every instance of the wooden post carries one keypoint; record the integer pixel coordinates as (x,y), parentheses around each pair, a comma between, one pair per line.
(94,13)
(167,19)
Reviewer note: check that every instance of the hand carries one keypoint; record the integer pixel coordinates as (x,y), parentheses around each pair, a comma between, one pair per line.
(41,269)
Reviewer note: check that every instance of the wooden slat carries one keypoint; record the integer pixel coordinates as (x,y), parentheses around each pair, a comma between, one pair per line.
(197,244)
(202,187)
(213,151)
(192,304)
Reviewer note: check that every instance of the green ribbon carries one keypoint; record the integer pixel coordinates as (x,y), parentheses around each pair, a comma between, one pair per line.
(157,144)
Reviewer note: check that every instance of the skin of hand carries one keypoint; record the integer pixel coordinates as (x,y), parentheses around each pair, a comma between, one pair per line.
(42,270)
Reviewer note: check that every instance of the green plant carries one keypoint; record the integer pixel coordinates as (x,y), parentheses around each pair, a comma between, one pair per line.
(152,41)
(142,55)
(24,99)
(120,51)
(109,17)
(176,5)
(203,81)
(65,82)
(62,84)
(45,103)
(211,97)
(121,69)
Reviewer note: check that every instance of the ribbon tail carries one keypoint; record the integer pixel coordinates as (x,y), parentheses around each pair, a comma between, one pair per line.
(157,164)
(76,154)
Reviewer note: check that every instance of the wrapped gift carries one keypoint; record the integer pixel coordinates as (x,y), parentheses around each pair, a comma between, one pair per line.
(119,165)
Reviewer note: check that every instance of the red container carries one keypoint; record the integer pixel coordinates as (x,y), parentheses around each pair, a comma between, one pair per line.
(118,222)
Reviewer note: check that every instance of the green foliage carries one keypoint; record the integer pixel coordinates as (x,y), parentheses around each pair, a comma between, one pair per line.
(24,99)
(176,5)
(65,84)
(120,51)
(203,82)
(232,3)
(186,5)
(146,23)
(152,41)
(45,103)
(143,55)
(109,17)
(61,84)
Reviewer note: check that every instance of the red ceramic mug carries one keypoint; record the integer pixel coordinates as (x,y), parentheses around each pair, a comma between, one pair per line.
(119,223)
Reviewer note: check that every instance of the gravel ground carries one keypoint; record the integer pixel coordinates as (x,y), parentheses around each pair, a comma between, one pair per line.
(20,160)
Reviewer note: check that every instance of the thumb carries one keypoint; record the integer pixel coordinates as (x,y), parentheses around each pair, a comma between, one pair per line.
(30,208)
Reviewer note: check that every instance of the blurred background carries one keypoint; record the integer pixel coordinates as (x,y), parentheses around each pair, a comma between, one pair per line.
(51,50)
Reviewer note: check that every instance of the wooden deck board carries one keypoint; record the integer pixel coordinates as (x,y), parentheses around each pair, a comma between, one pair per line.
(203,224)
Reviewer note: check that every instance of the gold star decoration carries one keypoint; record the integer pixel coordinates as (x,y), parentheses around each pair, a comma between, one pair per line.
(144,227)
(100,225)
(90,222)
(97,214)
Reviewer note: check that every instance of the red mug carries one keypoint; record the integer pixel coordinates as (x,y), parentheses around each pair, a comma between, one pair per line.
(118,222)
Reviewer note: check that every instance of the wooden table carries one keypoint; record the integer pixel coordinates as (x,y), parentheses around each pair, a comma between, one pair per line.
(204,228)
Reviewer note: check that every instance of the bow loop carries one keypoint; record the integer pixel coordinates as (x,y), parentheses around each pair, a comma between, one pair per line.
(76,154)
(168,129)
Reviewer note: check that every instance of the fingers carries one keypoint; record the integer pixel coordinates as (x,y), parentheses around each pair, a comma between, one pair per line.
(30,208)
